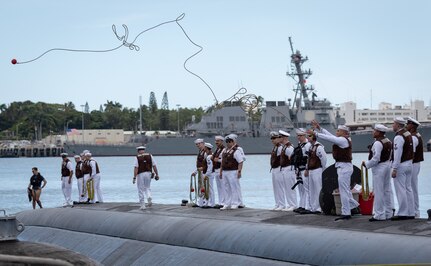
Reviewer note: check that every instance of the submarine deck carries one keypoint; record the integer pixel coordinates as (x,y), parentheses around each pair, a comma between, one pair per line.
(241,237)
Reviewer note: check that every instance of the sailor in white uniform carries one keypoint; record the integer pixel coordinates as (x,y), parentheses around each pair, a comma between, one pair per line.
(232,163)
(66,179)
(316,164)
(201,156)
(142,174)
(380,165)
(276,173)
(288,171)
(342,153)
(208,173)
(95,176)
(216,158)
(418,157)
(304,197)
(402,170)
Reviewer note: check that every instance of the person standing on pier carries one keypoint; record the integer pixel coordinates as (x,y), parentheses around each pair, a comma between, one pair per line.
(316,163)
(232,163)
(380,165)
(200,144)
(277,176)
(216,158)
(342,153)
(142,175)
(207,173)
(418,157)
(79,174)
(66,179)
(402,161)
(300,155)
(86,170)
(95,176)
(36,186)
(288,171)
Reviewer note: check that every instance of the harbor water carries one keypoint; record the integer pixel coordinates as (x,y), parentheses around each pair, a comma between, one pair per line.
(173,186)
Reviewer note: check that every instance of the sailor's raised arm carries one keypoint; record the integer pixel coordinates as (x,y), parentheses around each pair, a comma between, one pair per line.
(339,141)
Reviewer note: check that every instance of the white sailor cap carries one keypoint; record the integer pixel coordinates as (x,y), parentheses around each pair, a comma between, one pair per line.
(231,136)
(381,128)
(199,141)
(219,138)
(300,132)
(399,120)
(77,156)
(140,148)
(343,127)
(274,134)
(64,154)
(413,121)
(88,154)
(283,133)
(85,151)
(208,145)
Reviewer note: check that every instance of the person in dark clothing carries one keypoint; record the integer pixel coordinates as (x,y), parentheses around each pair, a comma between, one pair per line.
(36,186)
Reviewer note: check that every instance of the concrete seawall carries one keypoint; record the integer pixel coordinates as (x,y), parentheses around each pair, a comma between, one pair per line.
(118,233)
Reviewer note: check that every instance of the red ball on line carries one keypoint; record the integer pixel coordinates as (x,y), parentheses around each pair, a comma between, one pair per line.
(14,61)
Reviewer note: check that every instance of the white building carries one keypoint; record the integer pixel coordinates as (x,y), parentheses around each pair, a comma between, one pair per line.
(385,114)
(95,136)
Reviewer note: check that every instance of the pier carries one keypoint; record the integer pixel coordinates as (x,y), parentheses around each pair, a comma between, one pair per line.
(120,233)
(31,152)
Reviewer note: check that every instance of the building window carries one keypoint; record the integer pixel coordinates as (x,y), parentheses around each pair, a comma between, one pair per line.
(231,118)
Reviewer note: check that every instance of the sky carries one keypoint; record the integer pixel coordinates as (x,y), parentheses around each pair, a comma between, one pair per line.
(363,51)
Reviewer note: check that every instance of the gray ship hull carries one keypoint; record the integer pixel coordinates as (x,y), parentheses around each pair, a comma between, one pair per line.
(186,146)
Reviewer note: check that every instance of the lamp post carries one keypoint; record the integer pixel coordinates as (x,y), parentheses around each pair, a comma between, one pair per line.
(178,111)
(67,128)
(82,106)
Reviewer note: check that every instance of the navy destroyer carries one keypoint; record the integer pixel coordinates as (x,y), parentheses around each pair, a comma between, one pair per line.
(239,115)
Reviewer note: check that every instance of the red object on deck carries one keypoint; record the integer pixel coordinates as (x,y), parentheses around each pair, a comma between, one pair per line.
(13,61)
(366,206)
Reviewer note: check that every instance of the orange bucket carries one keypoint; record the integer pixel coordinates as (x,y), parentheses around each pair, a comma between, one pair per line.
(366,206)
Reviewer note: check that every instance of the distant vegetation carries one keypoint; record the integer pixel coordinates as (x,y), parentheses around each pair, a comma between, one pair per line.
(34,121)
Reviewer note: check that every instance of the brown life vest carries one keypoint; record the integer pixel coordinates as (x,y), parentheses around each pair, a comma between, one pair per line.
(200,159)
(386,150)
(284,159)
(64,170)
(342,154)
(419,154)
(144,162)
(314,160)
(275,159)
(407,147)
(228,161)
(217,165)
(78,171)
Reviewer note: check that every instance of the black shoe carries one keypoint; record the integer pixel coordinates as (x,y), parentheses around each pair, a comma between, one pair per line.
(205,207)
(97,202)
(316,212)
(355,211)
(343,217)
(399,218)
(410,217)
(372,219)
(298,210)
(241,206)
(218,206)
(305,212)
(195,205)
